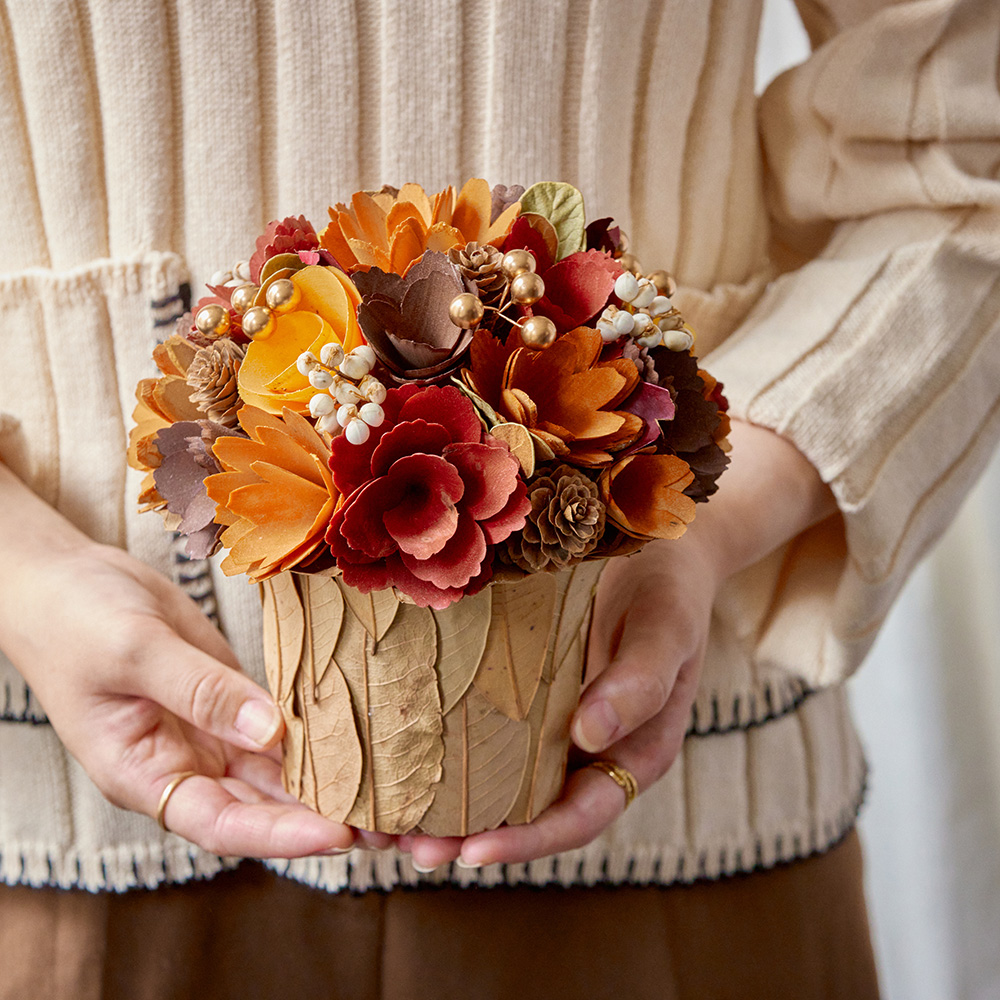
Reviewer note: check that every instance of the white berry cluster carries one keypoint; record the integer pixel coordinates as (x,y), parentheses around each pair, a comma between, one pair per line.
(348,396)
(238,274)
(647,316)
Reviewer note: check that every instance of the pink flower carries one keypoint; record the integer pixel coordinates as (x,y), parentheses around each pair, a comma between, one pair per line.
(428,496)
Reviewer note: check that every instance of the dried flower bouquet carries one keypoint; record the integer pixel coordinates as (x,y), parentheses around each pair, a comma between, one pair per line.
(422,430)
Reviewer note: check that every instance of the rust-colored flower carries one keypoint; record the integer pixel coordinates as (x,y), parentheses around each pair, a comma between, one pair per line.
(276,495)
(644,495)
(324,313)
(564,394)
(391,229)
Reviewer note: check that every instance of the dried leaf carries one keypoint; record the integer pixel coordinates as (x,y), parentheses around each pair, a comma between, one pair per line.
(292,753)
(284,628)
(376,611)
(485,757)
(334,749)
(396,704)
(577,588)
(519,440)
(549,719)
(521,625)
(324,604)
(562,205)
(462,631)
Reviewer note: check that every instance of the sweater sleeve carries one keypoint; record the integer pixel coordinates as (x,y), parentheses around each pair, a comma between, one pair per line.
(878,355)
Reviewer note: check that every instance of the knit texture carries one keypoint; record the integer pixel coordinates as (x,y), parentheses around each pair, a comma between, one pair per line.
(837,247)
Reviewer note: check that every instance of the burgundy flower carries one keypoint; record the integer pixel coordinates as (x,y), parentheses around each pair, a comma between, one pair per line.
(428,496)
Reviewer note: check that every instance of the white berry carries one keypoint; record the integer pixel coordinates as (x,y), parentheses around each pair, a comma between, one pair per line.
(660,306)
(321,405)
(331,354)
(642,324)
(624,323)
(306,362)
(320,379)
(645,294)
(346,414)
(372,414)
(678,340)
(372,389)
(626,286)
(354,366)
(357,432)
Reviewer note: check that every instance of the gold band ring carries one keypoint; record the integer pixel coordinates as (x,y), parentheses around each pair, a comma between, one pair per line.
(167,792)
(621,776)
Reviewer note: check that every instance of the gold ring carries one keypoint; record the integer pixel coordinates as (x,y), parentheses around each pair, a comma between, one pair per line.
(621,776)
(167,792)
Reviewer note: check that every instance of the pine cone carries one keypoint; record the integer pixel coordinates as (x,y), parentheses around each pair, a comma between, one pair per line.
(212,376)
(481,264)
(565,523)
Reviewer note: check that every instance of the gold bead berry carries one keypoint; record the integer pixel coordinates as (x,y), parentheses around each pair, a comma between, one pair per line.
(538,332)
(516,262)
(527,288)
(212,320)
(258,322)
(243,296)
(664,282)
(466,310)
(631,263)
(282,295)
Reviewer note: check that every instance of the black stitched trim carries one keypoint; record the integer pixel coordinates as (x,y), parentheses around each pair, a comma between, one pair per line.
(775,707)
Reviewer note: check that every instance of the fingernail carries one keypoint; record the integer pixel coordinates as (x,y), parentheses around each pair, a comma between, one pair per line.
(258,721)
(334,851)
(596,727)
(422,869)
(467,864)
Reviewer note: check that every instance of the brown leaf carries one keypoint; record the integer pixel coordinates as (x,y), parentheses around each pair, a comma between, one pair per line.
(576,589)
(549,719)
(484,762)
(520,629)
(333,747)
(284,627)
(396,704)
(519,440)
(376,611)
(324,604)
(462,631)
(292,752)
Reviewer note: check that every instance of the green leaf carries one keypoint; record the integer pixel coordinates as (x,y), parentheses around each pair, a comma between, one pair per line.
(562,205)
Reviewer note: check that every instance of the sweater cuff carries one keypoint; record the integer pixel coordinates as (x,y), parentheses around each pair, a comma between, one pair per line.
(880,361)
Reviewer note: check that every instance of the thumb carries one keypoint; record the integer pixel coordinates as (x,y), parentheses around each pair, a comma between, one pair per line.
(211,696)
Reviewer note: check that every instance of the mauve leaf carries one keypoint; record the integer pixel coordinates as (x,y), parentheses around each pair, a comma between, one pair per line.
(653,403)
(485,754)
(521,625)
(562,205)
(462,631)
(396,704)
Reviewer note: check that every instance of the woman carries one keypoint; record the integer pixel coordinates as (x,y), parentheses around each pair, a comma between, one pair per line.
(844,284)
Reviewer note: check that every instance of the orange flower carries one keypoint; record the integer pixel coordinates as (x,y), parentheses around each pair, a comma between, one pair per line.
(644,495)
(391,231)
(325,313)
(276,495)
(563,395)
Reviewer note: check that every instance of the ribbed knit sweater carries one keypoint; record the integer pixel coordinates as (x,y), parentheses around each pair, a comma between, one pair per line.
(837,246)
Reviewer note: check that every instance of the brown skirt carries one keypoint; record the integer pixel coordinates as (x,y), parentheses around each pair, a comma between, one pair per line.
(799,930)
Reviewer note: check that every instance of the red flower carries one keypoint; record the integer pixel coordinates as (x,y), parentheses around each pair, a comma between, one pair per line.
(428,495)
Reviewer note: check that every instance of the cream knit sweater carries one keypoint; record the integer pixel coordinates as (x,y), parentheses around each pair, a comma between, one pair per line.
(838,248)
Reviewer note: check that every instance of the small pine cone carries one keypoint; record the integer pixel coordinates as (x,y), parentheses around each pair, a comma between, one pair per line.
(640,356)
(481,264)
(565,523)
(212,376)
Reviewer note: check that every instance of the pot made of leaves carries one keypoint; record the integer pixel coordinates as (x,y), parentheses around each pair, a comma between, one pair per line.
(401,718)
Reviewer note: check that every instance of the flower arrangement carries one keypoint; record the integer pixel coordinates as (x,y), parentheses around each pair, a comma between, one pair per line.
(429,394)
(422,431)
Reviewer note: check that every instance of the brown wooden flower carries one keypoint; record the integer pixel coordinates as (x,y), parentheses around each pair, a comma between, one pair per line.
(564,394)
(276,495)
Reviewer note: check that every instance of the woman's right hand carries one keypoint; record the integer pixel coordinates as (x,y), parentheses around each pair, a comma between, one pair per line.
(141,687)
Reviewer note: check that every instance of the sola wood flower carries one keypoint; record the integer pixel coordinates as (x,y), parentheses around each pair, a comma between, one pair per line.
(391,229)
(276,495)
(290,235)
(644,495)
(565,395)
(269,377)
(405,320)
(427,496)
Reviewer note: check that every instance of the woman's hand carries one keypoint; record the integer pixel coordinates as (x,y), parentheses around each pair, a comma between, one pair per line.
(647,645)
(141,687)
